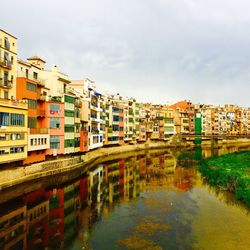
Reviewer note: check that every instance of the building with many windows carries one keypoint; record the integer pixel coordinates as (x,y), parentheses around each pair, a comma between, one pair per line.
(30,87)
(8,62)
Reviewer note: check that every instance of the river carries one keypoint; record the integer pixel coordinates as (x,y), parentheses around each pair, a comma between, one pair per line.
(141,202)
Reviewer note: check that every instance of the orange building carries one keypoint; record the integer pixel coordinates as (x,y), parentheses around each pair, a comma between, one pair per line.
(186,116)
(30,87)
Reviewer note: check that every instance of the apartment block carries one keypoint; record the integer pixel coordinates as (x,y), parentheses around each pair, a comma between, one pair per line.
(30,87)
(91,114)
(13,130)
(8,65)
(114,120)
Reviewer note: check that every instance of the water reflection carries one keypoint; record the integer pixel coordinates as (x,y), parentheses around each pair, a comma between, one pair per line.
(143,202)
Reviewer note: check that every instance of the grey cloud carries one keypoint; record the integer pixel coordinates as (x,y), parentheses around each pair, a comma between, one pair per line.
(154,50)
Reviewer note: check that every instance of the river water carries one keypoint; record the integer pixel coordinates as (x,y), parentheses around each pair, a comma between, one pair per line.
(141,202)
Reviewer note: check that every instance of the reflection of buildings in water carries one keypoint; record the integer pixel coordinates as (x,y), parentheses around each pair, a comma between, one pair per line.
(44,220)
(56,217)
(83,186)
(160,170)
(37,219)
(184,178)
(122,179)
(13,226)
(131,178)
(95,185)
(71,211)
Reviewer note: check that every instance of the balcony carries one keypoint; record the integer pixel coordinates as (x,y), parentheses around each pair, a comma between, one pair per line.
(41,113)
(95,131)
(5,63)
(42,98)
(78,103)
(38,130)
(6,84)
(14,103)
(31,77)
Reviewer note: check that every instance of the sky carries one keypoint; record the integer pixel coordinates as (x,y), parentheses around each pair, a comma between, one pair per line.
(159,51)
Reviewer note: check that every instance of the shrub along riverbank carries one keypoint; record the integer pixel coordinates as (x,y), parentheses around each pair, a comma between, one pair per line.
(230,172)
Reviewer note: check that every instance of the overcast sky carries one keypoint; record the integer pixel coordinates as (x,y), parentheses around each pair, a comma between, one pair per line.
(153,50)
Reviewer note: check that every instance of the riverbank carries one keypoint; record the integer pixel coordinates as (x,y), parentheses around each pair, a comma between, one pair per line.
(229,172)
(18,175)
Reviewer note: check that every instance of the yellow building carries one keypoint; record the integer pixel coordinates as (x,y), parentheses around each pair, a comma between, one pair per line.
(8,62)
(13,130)
(13,114)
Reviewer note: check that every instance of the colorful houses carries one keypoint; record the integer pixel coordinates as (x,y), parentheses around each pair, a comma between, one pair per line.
(13,113)
(44,114)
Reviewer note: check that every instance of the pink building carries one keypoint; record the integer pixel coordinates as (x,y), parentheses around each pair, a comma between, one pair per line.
(55,121)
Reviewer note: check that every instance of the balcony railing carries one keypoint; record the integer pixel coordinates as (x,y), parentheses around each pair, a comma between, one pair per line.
(6,84)
(39,130)
(42,98)
(94,131)
(78,103)
(31,77)
(94,104)
(41,113)
(5,63)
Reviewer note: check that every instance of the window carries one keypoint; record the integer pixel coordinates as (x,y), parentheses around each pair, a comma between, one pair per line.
(16,119)
(69,129)
(35,76)
(15,137)
(32,122)
(77,142)
(31,86)
(54,142)
(6,43)
(6,94)
(77,128)
(4,137)
(4,119)
(54,107)
(115,118)
(69,143)
(16,150)
(5,79)
(54,123)
(6,56)
(69,99)
(77,113)
(69,113)
(32,104)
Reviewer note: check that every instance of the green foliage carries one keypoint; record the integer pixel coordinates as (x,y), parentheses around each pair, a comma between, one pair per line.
(231,172)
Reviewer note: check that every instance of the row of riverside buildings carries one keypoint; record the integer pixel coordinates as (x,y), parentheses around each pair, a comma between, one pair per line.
(44,113)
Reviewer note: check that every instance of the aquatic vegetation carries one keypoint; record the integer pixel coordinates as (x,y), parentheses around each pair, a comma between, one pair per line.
(230,172)
(135,242)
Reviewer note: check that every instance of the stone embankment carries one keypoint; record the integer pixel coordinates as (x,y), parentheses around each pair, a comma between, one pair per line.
(10,177)
(14,176)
